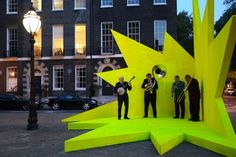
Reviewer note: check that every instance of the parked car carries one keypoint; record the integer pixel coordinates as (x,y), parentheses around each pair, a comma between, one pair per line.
(12,101)
(41,102)
(69,101)
(230,92)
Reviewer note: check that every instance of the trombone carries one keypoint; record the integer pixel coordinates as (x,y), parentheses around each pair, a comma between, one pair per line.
(183,91)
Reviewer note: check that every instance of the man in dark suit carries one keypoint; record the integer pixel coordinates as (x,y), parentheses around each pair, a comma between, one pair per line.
(150,85)
(194,97)
(120,89)
(179,97)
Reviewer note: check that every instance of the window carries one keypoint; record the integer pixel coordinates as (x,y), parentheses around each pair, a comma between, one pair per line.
(58,77)
(80,77)
(106,38)
(106,3)
(38,43)
(57,5)
(133,30)
(159,2)
(160,27)
(132,2)
(37,5)
(12,6)
(80,4)
(80,39)
(11,79)
(58,40)
(12,41)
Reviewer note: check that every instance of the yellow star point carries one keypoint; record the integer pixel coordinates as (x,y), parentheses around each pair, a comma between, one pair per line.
(210,66)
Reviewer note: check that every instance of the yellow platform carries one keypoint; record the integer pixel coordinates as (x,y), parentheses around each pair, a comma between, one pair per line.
(209,66)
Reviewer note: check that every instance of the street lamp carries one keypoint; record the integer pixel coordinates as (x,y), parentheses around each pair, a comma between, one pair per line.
(32,24)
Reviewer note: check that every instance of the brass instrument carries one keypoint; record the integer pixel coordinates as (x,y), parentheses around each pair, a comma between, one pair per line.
(149,86)
(160,70)
(183,92)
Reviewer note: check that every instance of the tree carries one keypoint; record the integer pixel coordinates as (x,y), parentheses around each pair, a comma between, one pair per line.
(226,16)
(185,31)
(229,2)
(231,10)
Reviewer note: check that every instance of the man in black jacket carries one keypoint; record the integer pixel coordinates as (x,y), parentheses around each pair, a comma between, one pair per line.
(150,85)
(122,96)
(194,97)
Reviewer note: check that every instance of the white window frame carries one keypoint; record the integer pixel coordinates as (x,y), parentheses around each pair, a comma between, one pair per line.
(102,53)
(7,79)
(80,8)
(154,28)
(107,6)
(154,3)
(7,8)
(128,29)
(53,54)
(132,5)
(53,78)
(53,9)
(79,88)
(7,43)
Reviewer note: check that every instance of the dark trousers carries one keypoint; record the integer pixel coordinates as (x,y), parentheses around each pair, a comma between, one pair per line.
(180,105)
(150,98)
(123,99)
(194,109)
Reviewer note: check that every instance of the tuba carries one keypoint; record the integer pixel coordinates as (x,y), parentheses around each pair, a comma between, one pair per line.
(160,70)
(149,86)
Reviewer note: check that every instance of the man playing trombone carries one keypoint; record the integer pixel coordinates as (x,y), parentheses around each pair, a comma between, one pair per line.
(179,97)
(194,97)
(150,85)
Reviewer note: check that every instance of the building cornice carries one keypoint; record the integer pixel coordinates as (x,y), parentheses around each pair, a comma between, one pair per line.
(13,59)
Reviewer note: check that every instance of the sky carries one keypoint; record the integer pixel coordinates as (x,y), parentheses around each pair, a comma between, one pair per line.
(187,6)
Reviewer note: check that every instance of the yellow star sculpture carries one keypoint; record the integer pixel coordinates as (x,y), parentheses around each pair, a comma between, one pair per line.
(210,67)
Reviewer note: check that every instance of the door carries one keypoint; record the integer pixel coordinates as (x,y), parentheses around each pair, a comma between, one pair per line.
(107,89)
(38,90)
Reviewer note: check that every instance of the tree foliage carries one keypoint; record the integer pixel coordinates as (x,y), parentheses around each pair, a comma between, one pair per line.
(229,2)
(185,31)
(226,16)
(231,10)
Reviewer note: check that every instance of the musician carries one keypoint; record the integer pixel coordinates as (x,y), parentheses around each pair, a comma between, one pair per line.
(122,85)
(179,96)
(150,85)
(194,97)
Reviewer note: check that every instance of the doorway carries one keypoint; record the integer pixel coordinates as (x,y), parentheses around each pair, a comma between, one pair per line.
(107,89)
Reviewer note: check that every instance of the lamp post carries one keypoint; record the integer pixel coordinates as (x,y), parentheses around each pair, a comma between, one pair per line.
(32,24)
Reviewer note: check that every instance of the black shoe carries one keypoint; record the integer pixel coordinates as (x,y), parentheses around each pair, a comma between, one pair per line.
(118,118)
(155,116)
(190,119)
(145,116)
(195,120)
(182,117)
(126,118)
(175,117)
